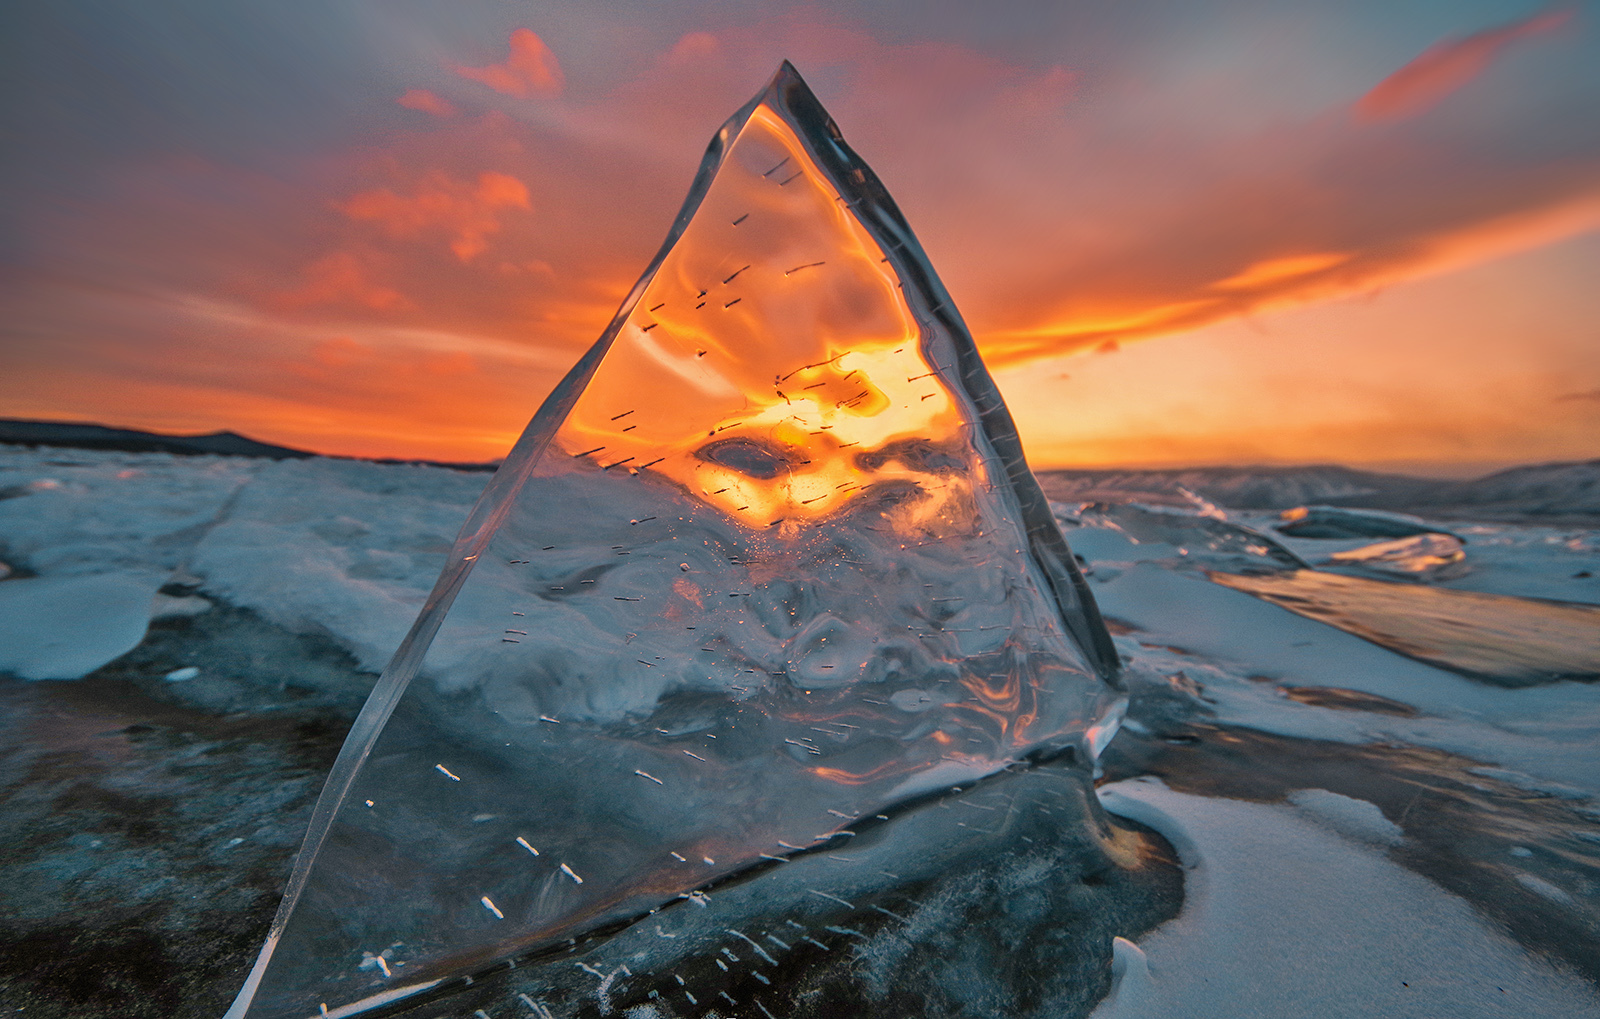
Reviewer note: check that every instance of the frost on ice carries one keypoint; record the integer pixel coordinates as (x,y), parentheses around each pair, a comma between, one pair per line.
(766,562)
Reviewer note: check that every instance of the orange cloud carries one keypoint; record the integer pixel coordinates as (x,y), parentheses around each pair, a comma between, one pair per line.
(530,68)
(427,102)
(692,48)
(1447,66)
(340,278)
(1273,270)
(467,212)
(1161,233)
(331,382)
(340,352)
(339,355)
(1393,254)
(1466,369)
(1058,225)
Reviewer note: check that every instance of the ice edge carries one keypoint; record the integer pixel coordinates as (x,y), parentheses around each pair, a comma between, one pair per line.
(481,524)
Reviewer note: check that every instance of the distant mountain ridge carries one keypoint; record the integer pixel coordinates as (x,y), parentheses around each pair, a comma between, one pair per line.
(88,436)
(1555,491)
(22,432)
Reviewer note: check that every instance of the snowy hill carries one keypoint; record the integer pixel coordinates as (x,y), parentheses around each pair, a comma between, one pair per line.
(1562,490)
(1544,489)
(1235,487)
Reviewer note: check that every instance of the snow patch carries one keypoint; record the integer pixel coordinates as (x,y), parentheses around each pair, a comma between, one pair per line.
(1283,917)
(1350,817)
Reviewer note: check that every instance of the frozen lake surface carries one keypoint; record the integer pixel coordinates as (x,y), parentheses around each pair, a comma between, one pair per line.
(1367,818)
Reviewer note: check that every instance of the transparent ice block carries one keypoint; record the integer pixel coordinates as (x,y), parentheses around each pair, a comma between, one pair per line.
(767,561)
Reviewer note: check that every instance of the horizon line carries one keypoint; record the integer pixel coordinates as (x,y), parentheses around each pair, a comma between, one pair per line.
(1429,469)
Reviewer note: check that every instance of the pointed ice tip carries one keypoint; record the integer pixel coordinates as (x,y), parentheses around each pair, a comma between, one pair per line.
(787,91)
(787,78)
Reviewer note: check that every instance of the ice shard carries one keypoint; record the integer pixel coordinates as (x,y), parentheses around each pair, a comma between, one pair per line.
(766,562)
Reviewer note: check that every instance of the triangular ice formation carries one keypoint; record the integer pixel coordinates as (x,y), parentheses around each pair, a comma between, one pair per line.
(766,562)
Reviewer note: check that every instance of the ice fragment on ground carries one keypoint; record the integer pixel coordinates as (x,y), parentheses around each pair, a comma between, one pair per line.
(767,561)
(97,534)
(1421,555)
(1199,537)
(1130,980)
(66,627)
(1338,522)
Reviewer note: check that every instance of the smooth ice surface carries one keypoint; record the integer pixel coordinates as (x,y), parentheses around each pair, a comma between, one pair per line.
(766,562)
(66,627)
(1515,641)
(1237,650)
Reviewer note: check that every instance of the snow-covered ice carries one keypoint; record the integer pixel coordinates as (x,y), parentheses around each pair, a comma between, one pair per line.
(1293,912)
(343,548)
(335,548)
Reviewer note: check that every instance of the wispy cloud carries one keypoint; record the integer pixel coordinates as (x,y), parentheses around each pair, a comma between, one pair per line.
(530,69)
(424,101)
(1448,65)
(466,212)
(339,278)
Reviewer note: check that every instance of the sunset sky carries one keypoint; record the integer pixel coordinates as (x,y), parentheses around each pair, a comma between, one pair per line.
(1181,232)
